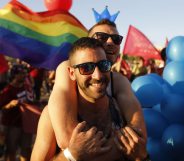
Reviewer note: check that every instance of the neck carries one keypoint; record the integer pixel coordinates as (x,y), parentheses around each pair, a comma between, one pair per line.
(95,114)
(93,105)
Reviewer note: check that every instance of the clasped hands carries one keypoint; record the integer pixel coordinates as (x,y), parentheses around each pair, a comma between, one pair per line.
(85,144)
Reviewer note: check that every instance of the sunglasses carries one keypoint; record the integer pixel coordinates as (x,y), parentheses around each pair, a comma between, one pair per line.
(88,68)
(103,37)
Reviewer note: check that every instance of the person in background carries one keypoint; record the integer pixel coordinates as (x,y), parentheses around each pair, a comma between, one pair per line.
(122,67)
(3,80)
(151,66)
(37,75)
(3,71)
(139,68)
(17,92)
(163,56)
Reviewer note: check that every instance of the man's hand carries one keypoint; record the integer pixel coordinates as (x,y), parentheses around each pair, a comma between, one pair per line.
(11,104)
(87,144)
(131,143)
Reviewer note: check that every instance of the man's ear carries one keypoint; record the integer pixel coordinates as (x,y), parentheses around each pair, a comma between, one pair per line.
(71,73)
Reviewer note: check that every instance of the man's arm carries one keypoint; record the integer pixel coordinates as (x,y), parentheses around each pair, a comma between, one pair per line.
(129,105)
(45,144)
(134,139)
(44,148)
(62,105)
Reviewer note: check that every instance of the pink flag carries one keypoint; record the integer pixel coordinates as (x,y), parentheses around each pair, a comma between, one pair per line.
(3,64)
(137,44)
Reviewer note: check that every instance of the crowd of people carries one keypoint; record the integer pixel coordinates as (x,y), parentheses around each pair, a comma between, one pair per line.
(24,91)
(134,66)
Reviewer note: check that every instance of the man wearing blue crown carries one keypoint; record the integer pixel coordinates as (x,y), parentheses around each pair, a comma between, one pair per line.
(128,135)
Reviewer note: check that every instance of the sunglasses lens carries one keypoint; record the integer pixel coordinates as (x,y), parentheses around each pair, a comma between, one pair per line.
(102,36)
(86,69)
(117,39)
(104,66)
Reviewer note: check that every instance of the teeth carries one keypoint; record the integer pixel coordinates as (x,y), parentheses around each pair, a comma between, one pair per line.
(97,84)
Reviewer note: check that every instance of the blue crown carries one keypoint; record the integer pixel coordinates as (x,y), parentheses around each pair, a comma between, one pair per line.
(105,15)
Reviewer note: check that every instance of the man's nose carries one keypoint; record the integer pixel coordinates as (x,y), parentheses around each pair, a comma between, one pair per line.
(97,74)
(109,40)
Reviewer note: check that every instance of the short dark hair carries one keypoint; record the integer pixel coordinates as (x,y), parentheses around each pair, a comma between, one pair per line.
(17,69)
(102,22)
(83,43)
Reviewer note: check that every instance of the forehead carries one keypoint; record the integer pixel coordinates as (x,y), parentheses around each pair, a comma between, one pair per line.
(89,55)
(105,28)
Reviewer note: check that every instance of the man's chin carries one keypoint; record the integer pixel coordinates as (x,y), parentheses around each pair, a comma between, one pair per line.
(99,95)
(112,57)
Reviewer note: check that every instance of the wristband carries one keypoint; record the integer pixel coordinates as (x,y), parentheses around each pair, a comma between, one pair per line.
(68,155)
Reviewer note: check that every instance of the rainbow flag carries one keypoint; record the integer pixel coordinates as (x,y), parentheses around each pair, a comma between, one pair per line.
(41,39)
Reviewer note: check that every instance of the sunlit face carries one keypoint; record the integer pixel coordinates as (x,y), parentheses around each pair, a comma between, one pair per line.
(112,50)
(92,86)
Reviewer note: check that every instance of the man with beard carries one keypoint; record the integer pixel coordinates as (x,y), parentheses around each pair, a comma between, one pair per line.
(63,104)
(97,139)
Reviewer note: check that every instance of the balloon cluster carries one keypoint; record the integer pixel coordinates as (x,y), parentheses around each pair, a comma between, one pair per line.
(162,99)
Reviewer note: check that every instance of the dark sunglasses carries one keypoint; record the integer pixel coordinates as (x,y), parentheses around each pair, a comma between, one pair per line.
(103,37)
(88,68)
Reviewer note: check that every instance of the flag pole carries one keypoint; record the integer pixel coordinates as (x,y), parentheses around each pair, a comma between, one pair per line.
(122,53)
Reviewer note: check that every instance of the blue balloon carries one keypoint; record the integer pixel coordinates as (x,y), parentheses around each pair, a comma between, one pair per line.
(173,72)
(140,81)
(175,49)
(167,88)
(168,61)
(148,91)
(156,77)
(155,150)
(172,107)
(157,107)
(178,88)
(156,123)
(173,141)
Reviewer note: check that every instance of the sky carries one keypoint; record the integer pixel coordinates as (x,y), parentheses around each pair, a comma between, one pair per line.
(157,19)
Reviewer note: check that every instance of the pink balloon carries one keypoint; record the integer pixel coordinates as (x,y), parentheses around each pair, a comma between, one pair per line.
(64,5)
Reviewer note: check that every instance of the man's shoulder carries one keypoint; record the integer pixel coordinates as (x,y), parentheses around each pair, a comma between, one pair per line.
(120,84)
(119,79)
(118,76)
